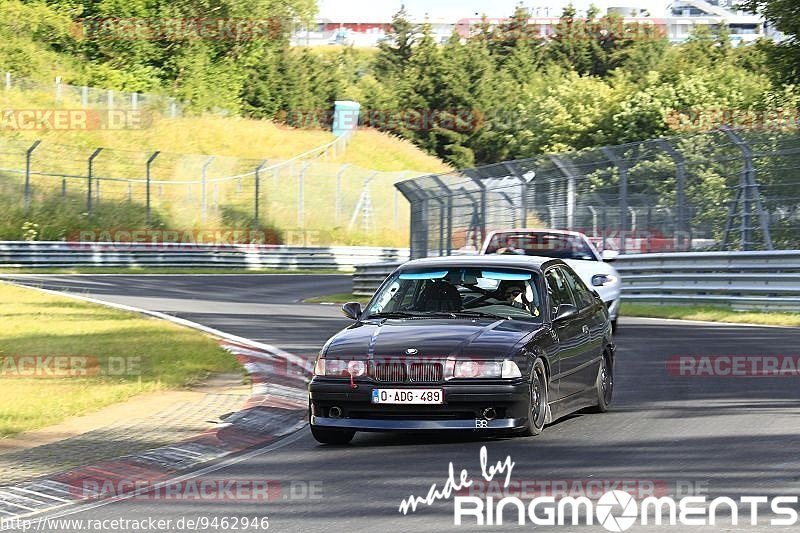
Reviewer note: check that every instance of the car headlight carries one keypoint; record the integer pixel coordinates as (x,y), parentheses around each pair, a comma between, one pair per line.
(486,369)
(338,368)
(601,280)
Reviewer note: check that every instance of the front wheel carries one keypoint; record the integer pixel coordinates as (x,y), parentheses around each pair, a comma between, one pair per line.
(537,402)
(332,436)
(604,385)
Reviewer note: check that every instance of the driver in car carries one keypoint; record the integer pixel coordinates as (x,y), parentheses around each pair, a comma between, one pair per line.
(514,295)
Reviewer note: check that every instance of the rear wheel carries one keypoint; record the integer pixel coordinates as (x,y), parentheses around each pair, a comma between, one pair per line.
(332,436)
(614,326)
(604,385)
(537,402)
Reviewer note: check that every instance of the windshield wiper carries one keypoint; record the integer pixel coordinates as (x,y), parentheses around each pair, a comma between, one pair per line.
(482,314)
(392,314)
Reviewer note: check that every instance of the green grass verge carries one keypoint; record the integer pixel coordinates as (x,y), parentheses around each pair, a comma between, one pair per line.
(710,314)
(163,270)
(340,298)
(124,354)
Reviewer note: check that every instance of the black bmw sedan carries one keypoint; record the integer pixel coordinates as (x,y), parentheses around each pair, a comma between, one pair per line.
(480,343)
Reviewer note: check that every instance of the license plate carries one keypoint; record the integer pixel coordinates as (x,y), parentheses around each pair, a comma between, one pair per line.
(408,396)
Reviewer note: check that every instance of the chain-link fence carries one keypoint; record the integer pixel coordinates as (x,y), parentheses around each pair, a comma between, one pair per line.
(724,189)
(93,98)
(308,200)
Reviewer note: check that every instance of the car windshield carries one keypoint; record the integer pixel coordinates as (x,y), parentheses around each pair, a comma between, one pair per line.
(456,292)
(558,245)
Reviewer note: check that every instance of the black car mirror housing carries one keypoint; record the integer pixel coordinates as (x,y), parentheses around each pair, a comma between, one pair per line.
(564,312)
(352,310)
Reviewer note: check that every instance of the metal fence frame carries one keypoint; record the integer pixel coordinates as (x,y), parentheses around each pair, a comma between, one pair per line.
(92,97)
(607,182)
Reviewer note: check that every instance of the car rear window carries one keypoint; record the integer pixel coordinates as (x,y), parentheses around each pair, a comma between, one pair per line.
(547,244)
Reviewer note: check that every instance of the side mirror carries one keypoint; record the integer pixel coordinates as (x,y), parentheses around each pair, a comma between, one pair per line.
(610,255)
(564,312)
(352,310)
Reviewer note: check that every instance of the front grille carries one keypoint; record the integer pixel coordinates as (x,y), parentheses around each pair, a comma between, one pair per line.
(390,372)
(426,372)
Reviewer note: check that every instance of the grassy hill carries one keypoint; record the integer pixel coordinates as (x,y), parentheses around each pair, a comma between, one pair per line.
(59,204)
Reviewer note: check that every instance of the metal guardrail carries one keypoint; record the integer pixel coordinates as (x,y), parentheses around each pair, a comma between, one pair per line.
(741,280)
(368,277)
(23,254)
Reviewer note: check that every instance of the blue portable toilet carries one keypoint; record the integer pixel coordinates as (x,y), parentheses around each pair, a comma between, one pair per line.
(345,117)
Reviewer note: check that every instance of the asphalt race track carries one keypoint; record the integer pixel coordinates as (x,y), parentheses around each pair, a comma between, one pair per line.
(719,436)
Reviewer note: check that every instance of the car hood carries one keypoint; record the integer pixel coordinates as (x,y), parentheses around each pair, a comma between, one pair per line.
(482,339)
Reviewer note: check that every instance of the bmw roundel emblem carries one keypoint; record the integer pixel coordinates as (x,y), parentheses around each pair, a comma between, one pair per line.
(412,351)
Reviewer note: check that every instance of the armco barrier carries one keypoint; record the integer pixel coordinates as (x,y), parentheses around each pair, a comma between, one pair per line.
(740,280)
(368,277)
(23,254)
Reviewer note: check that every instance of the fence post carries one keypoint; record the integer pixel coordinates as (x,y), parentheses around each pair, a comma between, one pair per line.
(58,89)
(110,99)
(750,194)
(483,206)
(134,101)
(147,184)
(85,96)
(623,194)
(419,218)
(593,211)
(684,228)
(449,214)
(257,193)
(301,215)
(8,81)
(203,191)
(338,209)
(570,175)
(89,179)
(523,192)
(28,153)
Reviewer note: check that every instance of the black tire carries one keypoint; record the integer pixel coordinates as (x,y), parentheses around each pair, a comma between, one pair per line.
(332,436)
(614,326)
(604,385)
(537,401)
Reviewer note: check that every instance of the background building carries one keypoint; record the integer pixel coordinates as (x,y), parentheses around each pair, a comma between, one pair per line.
(367,27)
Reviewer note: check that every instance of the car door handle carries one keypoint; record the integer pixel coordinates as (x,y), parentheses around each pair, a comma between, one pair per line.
(585,328)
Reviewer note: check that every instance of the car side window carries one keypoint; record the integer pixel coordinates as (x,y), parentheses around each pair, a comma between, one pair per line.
(583,298)
(558,289)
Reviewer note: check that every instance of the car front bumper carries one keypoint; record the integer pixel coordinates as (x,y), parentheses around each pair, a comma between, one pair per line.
(463,407)
(613,308)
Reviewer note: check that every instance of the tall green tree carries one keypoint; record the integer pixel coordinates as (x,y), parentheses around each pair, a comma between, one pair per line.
(784,15)
(395,51)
